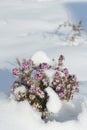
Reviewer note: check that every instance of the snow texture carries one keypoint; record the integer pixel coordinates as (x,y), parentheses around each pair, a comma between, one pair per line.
(54,104)
(29,27)
(40,57)
(21,89)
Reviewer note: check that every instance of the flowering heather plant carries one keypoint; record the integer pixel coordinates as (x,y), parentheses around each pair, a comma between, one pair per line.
(32,81)
(64,84)
(30,84)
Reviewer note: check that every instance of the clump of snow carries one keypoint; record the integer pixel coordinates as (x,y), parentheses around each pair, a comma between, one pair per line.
(40,57)
(54,104)
(21,89)
(50,73)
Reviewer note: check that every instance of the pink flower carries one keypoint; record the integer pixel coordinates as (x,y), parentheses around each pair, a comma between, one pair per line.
(69,85)
(64,91)
(30,63)
(61,95)
(32,89)
(15,84)
(74,78)
(65,71)
(28,80)
(39,75)
(44,66)
(73,91)
(57,75)
(16,72)
(64,79)
(58,88)
(45,81)
(54,82)
(26,65)
(60,85)
(40,93)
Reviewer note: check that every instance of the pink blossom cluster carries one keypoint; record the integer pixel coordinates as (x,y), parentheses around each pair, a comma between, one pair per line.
(64,84)
(17,72)
(39,75)
(36,91)
(44,66)
(27,65)
(40,93)
(35,81)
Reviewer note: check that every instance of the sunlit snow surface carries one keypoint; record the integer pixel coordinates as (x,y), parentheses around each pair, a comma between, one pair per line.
(29,26)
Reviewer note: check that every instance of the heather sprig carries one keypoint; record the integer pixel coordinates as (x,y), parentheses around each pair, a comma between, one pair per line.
(32,81)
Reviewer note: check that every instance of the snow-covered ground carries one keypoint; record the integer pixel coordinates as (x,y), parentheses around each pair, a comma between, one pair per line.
(28,26)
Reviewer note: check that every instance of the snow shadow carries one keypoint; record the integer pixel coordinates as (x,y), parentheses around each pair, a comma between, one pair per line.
(69,111)
(6,80)
(79,12)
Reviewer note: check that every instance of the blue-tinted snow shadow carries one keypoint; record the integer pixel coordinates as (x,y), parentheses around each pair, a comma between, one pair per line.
(6,80)
(69,111)
(79,11)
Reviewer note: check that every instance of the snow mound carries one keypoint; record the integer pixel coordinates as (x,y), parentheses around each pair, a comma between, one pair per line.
(21,89)
(54,104)
(18,91)
(20,115)
(40,57)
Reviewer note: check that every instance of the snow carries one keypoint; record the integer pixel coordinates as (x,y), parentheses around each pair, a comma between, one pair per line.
(40,57)
(21,89)
(50,73)
(28,29)
(54,103)
(20,115)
